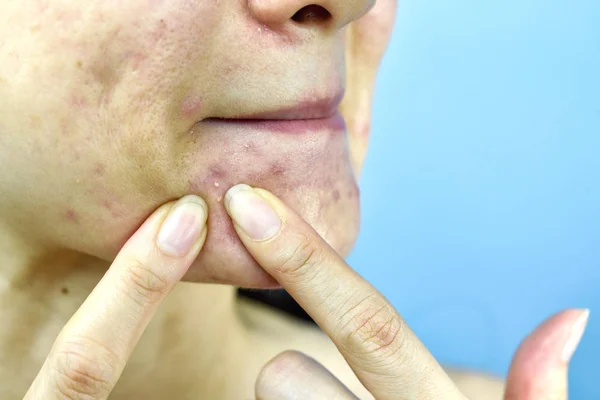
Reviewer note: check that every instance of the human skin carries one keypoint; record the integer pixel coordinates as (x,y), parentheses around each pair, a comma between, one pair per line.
(112,103)
(104,110)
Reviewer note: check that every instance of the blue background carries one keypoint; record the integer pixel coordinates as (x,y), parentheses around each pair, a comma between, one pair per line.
(481,194)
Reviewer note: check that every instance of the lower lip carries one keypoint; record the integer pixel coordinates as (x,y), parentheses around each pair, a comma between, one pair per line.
(334,123)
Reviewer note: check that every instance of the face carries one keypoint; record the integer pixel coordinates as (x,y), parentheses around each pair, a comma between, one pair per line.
(110,109)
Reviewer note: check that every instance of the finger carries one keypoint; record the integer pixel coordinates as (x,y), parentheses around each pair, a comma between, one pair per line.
(539,368)
(374,339)
(91,351)
(293,376)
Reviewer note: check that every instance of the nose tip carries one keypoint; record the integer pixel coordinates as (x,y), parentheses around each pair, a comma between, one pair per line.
(309,13)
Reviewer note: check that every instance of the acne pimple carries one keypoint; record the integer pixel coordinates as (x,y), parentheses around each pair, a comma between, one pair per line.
(277,170)
(216,173)
(72,216)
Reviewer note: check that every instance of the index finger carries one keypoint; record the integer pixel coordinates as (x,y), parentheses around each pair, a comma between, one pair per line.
(90,352)
(374,339)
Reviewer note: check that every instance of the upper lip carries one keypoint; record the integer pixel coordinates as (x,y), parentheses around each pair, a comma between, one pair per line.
(321,108)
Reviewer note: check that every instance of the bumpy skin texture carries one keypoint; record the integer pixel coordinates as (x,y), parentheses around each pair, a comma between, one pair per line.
(103,117)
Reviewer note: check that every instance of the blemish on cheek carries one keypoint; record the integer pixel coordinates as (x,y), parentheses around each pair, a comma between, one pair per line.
(277,170)
(216,173)
(112,208)
(191,106)
(336,195)
(78,101)
(72,216)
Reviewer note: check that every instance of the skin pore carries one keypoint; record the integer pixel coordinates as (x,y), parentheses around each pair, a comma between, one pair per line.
(110,109)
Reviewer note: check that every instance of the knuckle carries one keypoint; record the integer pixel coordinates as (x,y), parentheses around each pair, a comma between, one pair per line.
(303,260)
(83,369)
(142,284)
(371,328)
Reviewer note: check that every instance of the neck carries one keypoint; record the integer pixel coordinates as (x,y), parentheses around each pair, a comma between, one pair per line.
(196,328)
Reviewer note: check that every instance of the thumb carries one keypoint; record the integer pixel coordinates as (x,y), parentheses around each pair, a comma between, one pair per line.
(539,368)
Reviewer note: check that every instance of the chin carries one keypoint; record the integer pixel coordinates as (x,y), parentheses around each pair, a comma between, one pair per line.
(306,164)
(225,260)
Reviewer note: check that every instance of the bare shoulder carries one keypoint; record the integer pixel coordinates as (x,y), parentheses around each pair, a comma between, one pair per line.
(275,332)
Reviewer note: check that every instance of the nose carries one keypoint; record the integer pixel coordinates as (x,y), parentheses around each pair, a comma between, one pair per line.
(324,14)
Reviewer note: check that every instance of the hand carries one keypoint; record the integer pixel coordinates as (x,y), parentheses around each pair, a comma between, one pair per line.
(385,355)
(91,350)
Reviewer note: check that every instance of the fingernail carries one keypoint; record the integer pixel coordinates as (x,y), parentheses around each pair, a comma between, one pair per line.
(575,336)
(183,226)
(252,213)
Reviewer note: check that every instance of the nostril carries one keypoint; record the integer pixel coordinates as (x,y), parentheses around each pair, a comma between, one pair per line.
(313,14)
